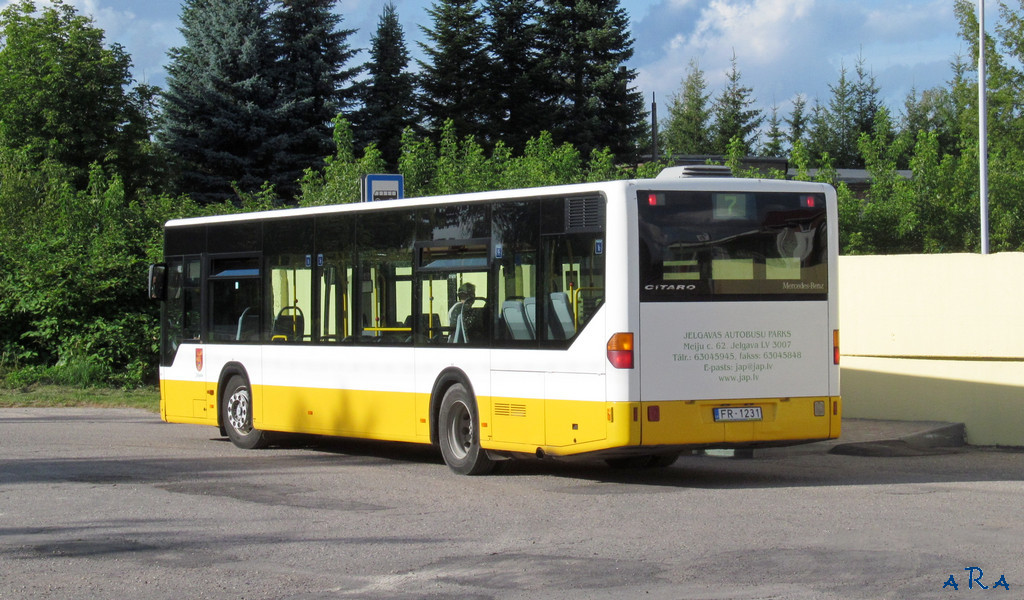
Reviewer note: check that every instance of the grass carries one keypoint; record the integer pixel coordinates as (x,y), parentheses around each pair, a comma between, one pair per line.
(49,396)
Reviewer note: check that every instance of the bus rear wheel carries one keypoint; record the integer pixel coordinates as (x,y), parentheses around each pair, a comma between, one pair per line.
(459,433)
(237,414)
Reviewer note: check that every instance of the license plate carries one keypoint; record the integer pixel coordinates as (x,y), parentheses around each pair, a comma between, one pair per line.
(738,413)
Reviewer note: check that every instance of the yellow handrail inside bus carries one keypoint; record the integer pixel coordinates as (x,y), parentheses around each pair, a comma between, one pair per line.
(295,302)
(430,308)
(576,303)
(344,306)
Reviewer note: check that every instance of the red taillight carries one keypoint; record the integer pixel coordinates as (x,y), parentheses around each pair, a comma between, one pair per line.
(835,346)
(620,350)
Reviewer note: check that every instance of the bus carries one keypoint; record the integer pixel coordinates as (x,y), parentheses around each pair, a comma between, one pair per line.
(625,321)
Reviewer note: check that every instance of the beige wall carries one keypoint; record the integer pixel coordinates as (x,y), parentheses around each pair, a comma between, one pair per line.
(935,337)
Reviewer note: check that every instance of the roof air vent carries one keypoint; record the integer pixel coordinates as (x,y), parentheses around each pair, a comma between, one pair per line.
(695,171)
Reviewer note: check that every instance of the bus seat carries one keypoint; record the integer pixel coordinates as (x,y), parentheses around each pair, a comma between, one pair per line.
(476,320)
(514,312)
(530,307)
(248,326)
(425,324)
(289,324)
(563,324)
(470,323)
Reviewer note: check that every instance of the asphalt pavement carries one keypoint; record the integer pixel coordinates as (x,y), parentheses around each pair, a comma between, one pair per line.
(110,504)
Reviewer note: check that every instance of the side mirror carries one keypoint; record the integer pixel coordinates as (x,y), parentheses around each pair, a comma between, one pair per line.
(158,281)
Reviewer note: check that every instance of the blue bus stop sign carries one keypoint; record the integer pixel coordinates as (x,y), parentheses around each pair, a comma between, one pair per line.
(382,187)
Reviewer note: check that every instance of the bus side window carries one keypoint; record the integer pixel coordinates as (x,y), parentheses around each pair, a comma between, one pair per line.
(288,306)
(334,263)
(384,286)
(181,308)
(290,303)
(515,238)
(235,293)
(573,283)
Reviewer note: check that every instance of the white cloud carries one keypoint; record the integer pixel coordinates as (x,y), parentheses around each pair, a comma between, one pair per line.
(909,21)
(789,47)
(764,35)
(678,4)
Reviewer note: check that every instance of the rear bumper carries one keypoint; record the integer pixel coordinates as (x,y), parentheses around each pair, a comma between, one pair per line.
(784,421)
(667,427)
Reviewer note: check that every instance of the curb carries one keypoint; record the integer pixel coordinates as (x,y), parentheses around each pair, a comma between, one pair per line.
(939,438)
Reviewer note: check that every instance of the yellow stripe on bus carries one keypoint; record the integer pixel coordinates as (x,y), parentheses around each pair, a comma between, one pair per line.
(559,427)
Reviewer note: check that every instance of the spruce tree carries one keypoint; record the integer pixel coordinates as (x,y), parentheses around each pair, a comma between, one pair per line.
(585,45)
(866,101)
(835,130)
(797,120)
(734,115)
(221,112)
(773,147)
(452,77)
(820,137)
(313,86)
(687,126)
(389,94)
(517,112)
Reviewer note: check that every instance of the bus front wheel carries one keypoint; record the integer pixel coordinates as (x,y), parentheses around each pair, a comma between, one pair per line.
(459,433)
(237,414)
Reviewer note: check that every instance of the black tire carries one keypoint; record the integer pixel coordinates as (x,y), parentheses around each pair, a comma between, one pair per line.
(459,434)
(237,413)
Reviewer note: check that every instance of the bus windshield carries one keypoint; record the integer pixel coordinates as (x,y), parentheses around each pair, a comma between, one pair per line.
(703,245)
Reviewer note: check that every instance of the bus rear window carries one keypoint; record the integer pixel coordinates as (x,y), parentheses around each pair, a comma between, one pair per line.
(700,246)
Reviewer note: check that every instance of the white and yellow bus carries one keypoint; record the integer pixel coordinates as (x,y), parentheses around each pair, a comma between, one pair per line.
(627,321)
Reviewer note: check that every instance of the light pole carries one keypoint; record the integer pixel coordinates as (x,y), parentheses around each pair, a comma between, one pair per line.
(982,128)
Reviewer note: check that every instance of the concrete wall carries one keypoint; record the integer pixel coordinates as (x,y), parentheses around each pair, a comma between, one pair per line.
(937,338)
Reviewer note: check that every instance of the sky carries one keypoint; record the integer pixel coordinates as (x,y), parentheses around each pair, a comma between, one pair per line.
(782,47)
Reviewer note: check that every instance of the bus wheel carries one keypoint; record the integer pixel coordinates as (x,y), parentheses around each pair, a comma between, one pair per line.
(237,413)
(459,434)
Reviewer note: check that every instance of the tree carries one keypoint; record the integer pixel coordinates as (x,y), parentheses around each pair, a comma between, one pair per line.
(865,99)
(797,120)
(776,137)
(221,112)
(585,45)
(389,94)
(313,86)
(832,126)
(734,115)
(931,111)
(836,129)
(452,77)
(889,221)
(517,110)
(687,126)
(338,182)
(65,97)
